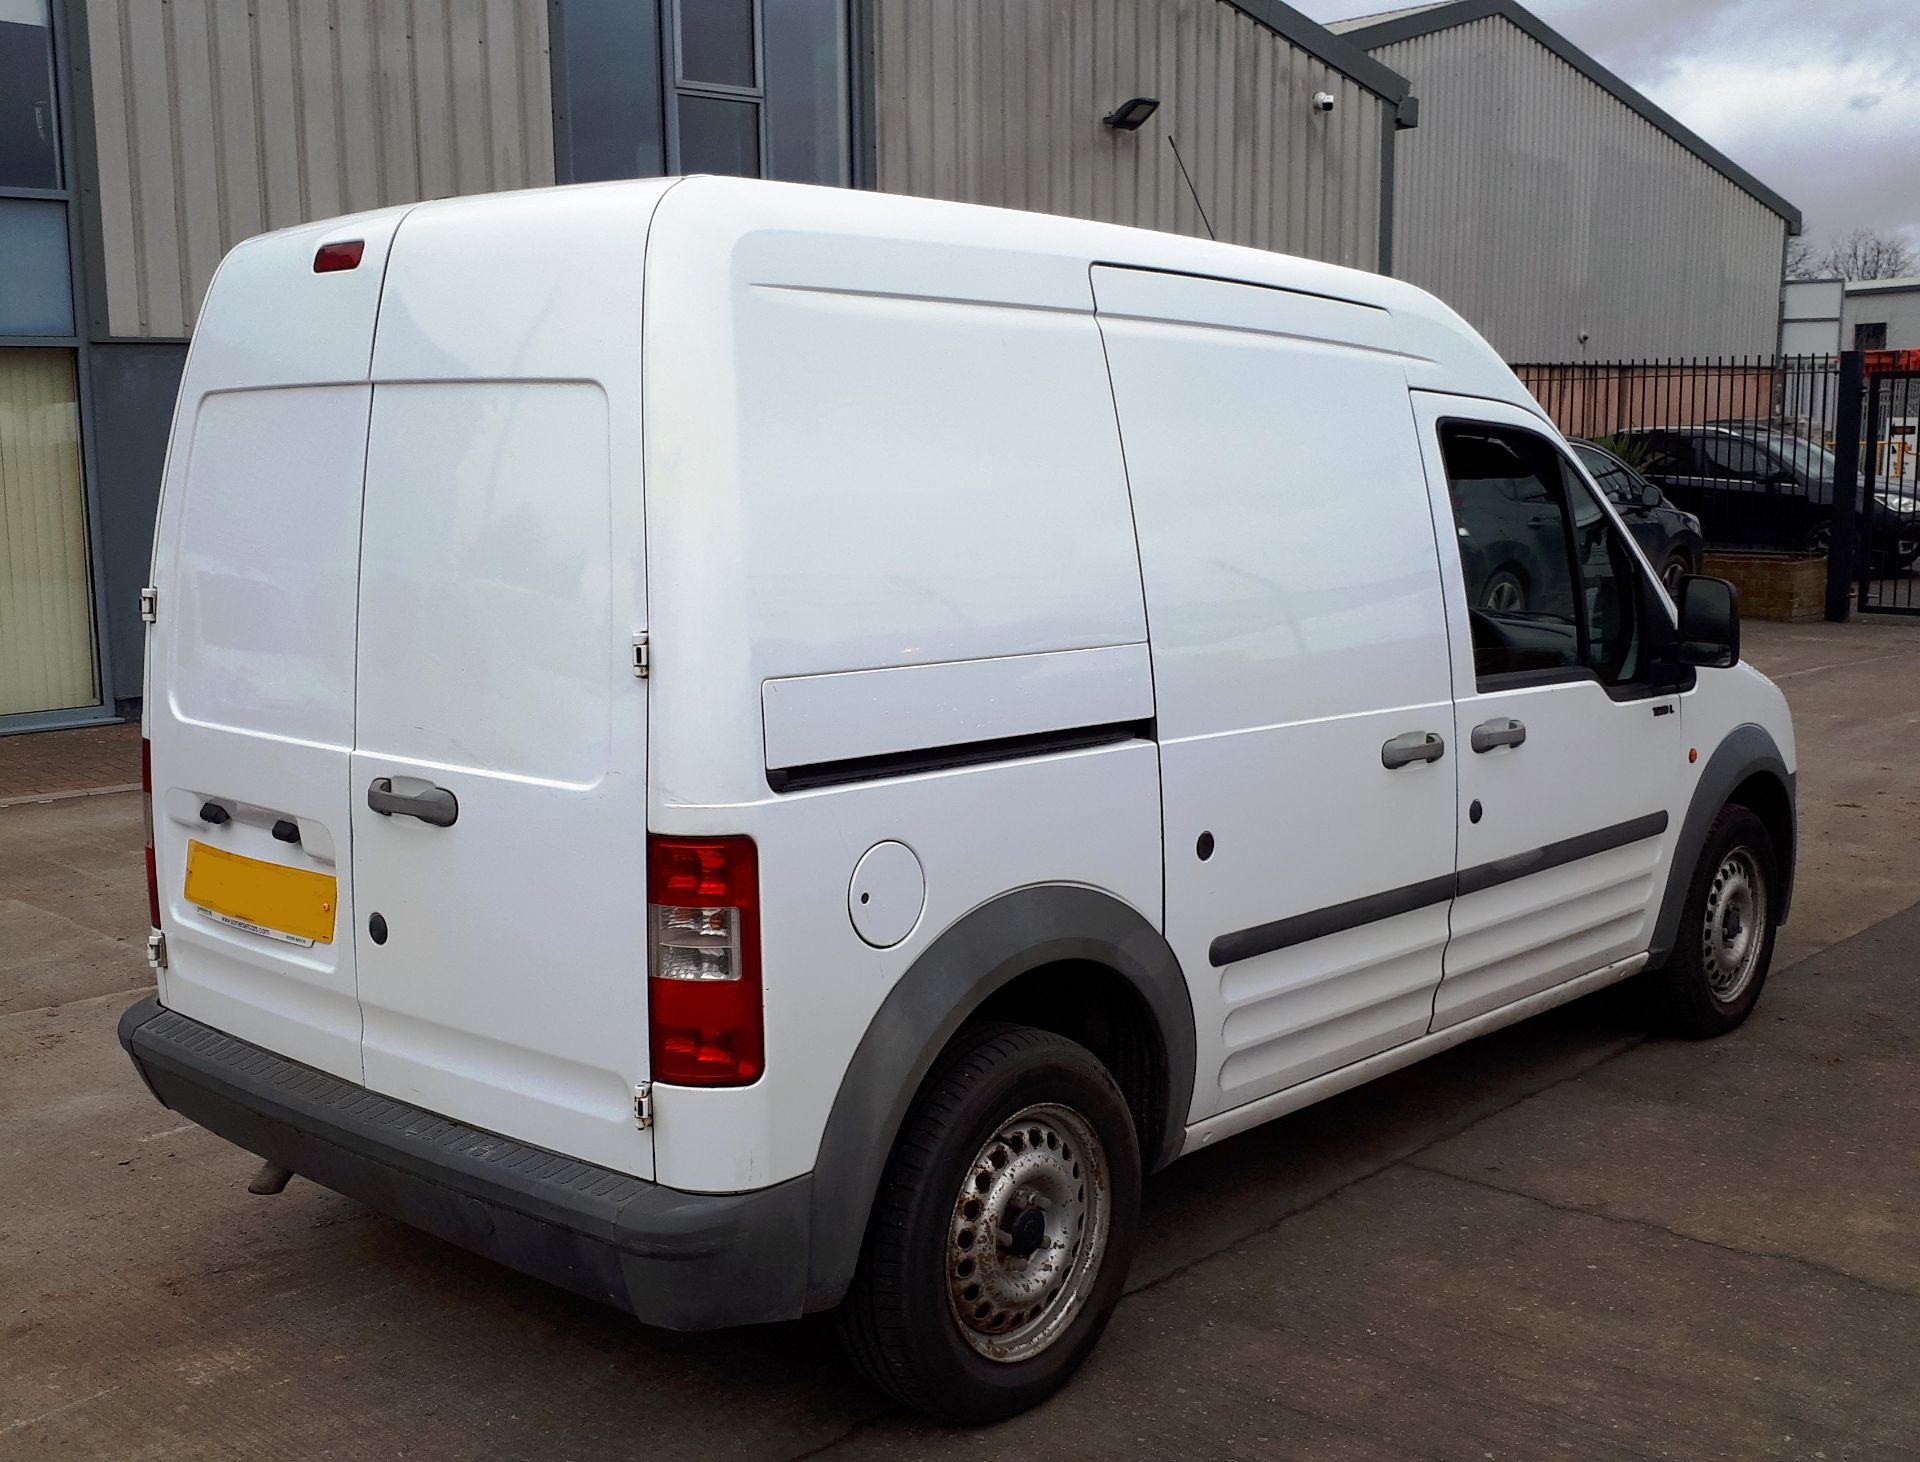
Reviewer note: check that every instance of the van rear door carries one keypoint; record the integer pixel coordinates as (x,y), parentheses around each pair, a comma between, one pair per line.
(249,708)
(498,774)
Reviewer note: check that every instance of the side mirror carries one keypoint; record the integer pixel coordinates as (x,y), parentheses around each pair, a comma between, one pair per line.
(1650,496)
(1709,622)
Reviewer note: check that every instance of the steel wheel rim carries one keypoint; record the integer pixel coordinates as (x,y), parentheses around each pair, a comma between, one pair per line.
(1028,1232)
(1736,925)
(1504,596)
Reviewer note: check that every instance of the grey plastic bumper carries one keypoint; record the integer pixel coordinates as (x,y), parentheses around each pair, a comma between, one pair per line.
(685,1261)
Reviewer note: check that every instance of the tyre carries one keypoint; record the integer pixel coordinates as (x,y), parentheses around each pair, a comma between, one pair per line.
(1504,592)
(1724,947)
(1002,1232)
(1675,568)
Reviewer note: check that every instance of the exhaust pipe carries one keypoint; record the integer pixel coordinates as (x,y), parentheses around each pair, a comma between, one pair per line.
(270,1179)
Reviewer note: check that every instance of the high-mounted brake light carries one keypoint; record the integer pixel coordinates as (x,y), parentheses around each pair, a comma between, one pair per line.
(704,1014)
(146,810)
(334,257)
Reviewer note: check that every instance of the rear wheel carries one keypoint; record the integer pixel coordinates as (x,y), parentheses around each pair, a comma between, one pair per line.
(1724,948)
(1504,592)
(1002,1231)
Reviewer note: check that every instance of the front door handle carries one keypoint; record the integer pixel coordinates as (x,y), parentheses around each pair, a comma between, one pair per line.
(436,805)
(1411,746)
(1502,732)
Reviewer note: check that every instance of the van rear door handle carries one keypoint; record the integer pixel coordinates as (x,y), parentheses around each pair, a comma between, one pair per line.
(436,805)
(1502,732)
(1411,746)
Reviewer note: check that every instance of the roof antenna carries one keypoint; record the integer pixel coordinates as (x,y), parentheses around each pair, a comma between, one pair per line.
(1191,189)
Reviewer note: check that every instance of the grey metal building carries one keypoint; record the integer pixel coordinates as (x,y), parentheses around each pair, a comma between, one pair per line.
(1558,209)
(140,139)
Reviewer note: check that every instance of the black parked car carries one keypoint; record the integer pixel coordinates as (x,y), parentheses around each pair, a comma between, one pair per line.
(1753,485)
(1668,537)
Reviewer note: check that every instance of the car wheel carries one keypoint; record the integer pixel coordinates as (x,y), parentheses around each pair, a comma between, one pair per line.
(1504,592)
(1676,567)
(1002,1231)
(1724,948)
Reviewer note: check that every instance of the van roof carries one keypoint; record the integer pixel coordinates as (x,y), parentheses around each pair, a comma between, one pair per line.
(1440,350)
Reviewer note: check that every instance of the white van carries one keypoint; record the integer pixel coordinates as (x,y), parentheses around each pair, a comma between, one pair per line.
(747,748)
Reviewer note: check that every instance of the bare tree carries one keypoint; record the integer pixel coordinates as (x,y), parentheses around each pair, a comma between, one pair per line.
(1801,263)
(1865,254)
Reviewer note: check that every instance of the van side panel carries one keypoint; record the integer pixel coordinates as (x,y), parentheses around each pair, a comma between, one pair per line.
(1294,590)
(870,452)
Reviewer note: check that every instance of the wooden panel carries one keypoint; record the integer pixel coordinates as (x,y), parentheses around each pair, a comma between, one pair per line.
(46,604)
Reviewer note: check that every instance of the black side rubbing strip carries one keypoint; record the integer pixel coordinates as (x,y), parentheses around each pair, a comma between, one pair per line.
(1567,850)
(944,758)
(1319,923)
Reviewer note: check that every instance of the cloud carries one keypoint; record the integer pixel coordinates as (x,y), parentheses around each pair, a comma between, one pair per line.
(1821,101)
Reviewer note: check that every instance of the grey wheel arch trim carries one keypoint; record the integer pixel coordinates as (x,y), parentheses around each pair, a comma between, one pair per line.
(1746,750)
(994,944)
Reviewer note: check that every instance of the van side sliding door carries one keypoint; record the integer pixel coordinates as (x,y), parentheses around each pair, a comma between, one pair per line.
(1571,748)
(1301,671)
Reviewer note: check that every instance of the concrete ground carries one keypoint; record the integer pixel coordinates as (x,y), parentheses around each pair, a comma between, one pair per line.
(1567,1239)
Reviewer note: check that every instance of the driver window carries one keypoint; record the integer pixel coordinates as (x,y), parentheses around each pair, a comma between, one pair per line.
(1734,458)
(1551,584)
(1511,527)
(1609,585)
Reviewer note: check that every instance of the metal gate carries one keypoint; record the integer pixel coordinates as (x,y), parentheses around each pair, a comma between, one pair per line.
(1890,483)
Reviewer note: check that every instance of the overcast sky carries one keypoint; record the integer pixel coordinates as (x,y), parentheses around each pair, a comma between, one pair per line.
(1819,99)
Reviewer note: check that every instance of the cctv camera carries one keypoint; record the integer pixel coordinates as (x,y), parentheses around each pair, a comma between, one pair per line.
(1323,101)
(1585,336)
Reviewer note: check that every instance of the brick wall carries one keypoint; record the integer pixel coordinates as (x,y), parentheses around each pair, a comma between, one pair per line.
(1779,586)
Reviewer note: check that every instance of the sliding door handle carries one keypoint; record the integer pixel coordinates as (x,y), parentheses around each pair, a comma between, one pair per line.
(436,805)
(1410,746)
(1502,732)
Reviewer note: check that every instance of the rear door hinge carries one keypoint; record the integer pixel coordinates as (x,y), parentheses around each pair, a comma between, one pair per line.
(149,604)
(157,950)
(642,657)
(643,1105)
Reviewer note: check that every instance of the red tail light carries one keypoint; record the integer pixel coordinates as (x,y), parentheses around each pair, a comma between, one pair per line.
(146,809)
(704,1013)
(332,258)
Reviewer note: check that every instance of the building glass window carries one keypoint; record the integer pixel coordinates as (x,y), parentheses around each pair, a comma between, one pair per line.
(1870,335)
(717,43)
(29,125)
(718,112)
(46,600)
(36,289)
(719,135)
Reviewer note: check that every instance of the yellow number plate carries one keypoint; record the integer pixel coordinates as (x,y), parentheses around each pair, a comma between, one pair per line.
(292,904)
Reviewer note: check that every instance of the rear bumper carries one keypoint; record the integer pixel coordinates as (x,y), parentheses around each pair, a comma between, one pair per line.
(685,1261)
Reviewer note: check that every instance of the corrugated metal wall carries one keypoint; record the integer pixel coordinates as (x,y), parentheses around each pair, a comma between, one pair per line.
(1539,206)
(1000,101)
(218,119)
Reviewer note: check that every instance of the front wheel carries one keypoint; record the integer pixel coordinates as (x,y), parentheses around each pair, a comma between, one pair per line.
(1002,1231)
(1724,949)
(1676,568)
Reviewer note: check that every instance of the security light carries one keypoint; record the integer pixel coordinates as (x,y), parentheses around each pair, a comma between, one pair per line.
(1128,116)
